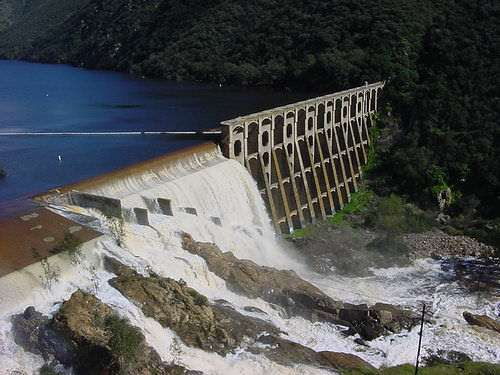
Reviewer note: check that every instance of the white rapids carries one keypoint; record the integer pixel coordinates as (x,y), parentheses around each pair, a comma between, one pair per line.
(219,188)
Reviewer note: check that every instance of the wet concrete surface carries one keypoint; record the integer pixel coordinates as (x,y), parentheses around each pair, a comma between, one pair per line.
(34,235)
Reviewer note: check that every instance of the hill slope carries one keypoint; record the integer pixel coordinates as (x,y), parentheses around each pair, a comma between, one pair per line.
(441,60)
(24,22)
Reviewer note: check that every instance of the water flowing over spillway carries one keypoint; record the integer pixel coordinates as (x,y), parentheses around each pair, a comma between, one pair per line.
(216,200)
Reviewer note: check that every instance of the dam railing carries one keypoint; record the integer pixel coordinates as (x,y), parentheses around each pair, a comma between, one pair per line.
(306,157)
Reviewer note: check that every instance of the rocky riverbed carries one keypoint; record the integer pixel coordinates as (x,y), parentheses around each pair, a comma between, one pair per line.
(353,250)
(437,243)
(157,300)
(297,296)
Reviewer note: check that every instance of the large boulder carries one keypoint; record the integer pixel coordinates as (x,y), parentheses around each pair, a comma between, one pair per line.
(105,342)
(297,296)
(33,332)
(215,327)
(482,321)
(346,361)
(176,306)
(87,336)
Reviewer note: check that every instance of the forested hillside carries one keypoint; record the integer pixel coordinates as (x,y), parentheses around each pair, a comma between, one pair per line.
(440,58)
(24,22)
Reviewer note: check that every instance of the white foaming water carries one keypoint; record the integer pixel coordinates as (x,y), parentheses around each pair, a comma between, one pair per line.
(222,189)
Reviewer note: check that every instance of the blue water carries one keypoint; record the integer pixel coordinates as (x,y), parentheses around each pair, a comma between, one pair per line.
(39,97)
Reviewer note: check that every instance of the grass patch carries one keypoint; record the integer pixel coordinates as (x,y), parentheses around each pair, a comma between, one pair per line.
(125,341)
(371,158)
(359,203)
(466,368)
(69,243)
(390,215)
(393,215)
(47,370)
(302,232)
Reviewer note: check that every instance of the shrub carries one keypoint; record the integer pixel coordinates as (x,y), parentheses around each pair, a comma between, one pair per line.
(50,274)
(71,244)
(388,245)
(47,370)
(392,215)
(125,341)
(359,203)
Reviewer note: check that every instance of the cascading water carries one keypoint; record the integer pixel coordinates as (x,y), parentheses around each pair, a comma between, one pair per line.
(216,200)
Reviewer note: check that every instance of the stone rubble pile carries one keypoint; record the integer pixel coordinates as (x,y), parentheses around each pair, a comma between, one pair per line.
(440,244)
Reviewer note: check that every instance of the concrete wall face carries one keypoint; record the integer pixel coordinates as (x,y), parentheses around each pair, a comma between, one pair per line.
(108,206)
(306,157)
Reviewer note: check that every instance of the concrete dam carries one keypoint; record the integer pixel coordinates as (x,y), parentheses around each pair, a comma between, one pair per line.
(232,195)
(306,158)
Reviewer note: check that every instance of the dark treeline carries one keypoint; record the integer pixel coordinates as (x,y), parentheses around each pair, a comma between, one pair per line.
(440,60)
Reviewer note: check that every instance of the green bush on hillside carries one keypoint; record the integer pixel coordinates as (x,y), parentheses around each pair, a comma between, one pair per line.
(394,216)
(125,341)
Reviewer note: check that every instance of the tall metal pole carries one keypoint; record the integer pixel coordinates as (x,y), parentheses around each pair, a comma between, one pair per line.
(420,338)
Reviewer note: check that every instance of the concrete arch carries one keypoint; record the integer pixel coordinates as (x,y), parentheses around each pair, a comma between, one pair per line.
(238,130)
(367,100)
(353,104)
(265,138)
(278,131)
(301,122)
(266,121)
(338,110)
(320,116)
(238,147)
(252,137)
(361,101)
(373,99)
(306,157)
(346,101)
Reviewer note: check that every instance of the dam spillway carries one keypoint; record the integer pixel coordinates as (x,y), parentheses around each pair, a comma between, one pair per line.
(215,199)
(306,159)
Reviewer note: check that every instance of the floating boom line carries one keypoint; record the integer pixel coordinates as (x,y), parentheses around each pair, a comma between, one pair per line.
(129,133)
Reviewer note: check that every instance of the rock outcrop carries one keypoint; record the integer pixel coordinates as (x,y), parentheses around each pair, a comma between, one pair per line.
(176,306)
(346,361)
(215,327)
(482,321)
(88,336)
(298,297)
(33,332)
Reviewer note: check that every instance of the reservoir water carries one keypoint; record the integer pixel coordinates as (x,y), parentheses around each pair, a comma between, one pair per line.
(40,97)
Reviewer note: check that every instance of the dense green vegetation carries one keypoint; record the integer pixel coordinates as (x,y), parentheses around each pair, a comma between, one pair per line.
(390,215)
(125,341)
(441,61)
(23,23)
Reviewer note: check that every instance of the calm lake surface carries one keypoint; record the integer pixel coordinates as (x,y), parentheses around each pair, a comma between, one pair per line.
(39,97)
